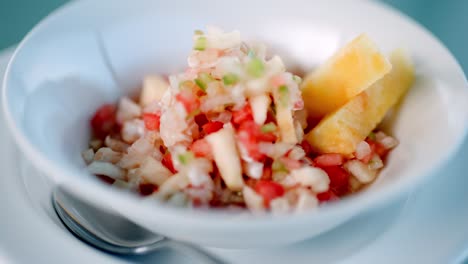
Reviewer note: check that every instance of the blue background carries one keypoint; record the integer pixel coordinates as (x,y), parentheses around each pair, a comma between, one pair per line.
(448,20)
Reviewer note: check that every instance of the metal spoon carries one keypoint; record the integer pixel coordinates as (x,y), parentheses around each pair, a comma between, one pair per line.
(113,233)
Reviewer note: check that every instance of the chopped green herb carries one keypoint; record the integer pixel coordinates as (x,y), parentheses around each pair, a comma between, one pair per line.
(255,67)
(283,95)
(278,166)
(203,80)
(198,32)
(267,128)
(186,157)
(372,136)
(200,43)
(200,84)
(297,79)
(230,79)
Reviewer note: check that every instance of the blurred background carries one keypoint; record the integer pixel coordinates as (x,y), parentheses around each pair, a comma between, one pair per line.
(448,20)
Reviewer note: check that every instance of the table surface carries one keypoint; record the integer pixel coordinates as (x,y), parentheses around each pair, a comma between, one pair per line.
(446,19)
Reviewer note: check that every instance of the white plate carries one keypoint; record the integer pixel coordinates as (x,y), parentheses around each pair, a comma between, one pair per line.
(431,226)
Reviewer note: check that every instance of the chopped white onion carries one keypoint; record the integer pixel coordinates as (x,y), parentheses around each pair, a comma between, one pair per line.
(306,200)
(127,110)
(388,142)
(315,178)
(375,163)
(152,171)
(116,145)
(107,155)
(280,205)
(107,169)
(88,155)
(297,153)
(132,130)
(363,150)
(360,170)
(254,169)
(253,200)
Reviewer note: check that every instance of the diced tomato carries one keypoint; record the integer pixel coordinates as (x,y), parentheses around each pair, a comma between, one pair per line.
(290,164)
(146,189)
(152,121)
(190,101)
(306,147)
(167,161)
(377,148)
(339,179)
(212,127)
(250,182)
(267,173)
(250,143)
(201,148)
(330,159)
(269,190)
(196,202)
(255,130)
(268,137)
(250,134)
(242,115)
(201,119)
(327,196)
(104,121)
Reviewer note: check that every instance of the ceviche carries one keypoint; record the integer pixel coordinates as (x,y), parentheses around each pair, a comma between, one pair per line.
(236,129)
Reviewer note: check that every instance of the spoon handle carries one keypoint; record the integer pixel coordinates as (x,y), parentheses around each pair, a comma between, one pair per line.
(194,251)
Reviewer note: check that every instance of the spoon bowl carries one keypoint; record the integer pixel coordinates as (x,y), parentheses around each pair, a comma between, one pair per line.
(112,233)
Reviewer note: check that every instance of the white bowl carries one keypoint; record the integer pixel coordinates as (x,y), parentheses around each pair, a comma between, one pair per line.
(59,76)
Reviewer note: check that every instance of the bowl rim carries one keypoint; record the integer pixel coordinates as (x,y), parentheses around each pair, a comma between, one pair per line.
(210,219)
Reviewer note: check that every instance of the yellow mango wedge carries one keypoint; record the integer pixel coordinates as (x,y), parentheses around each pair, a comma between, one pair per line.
(352,69)
(341,130)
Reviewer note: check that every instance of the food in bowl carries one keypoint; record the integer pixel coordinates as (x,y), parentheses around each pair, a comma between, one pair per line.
(235,129)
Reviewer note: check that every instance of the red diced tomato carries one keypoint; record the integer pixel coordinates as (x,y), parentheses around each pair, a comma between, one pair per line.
(104,121)
(339,179)
(250,143)
(167,161)
(196,202)
(267,137)
(201,119)
(152,121)
(212,127)
(306,147)
(201,148)
(146,189)
(327,196)
(242,115)
(269,190)
(190,101)
(255,130)
(267,173)
(330,159)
